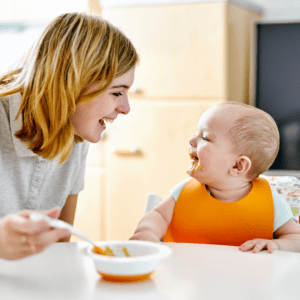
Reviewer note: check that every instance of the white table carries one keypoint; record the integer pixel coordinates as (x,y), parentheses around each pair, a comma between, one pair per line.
(193,272)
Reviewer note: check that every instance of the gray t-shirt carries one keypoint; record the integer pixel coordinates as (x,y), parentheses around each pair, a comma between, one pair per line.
(27,180)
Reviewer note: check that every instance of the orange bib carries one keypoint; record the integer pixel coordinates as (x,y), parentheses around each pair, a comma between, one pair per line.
(200,218)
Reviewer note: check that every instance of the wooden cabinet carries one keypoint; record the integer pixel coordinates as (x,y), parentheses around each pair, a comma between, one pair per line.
(195,50)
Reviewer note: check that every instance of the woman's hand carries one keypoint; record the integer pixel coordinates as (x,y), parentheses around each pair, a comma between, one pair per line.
(21,237)
(258,245)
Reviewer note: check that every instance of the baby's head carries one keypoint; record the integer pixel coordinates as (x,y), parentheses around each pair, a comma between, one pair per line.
(234,133)
(254,134)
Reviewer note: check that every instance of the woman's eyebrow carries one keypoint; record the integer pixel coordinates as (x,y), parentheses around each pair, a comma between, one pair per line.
(120,86)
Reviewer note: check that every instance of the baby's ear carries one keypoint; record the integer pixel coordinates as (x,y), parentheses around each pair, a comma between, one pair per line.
(241,167)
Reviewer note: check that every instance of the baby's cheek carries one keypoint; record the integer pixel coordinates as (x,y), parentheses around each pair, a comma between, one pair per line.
(204,160)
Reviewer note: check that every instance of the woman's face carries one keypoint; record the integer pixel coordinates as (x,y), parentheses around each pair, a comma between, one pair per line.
(89,119)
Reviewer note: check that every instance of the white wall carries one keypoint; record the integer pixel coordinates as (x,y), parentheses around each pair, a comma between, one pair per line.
(42,9)
(22,21)
(11,10)
(124,3)
(279,9)
(287,14)
(271,9)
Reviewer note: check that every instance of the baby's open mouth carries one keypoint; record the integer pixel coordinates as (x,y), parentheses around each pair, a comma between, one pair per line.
(193,157)
(195,164)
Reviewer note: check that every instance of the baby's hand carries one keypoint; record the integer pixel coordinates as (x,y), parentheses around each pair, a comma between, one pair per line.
(258,245)
(145,236)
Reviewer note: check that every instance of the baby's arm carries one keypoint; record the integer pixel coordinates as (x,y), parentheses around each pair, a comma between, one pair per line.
(286,237)
(153,226)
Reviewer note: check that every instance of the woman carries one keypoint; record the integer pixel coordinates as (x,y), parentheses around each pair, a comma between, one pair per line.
(74,79)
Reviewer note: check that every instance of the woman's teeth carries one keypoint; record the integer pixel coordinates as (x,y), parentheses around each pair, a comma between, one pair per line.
(108,120)
(105,120)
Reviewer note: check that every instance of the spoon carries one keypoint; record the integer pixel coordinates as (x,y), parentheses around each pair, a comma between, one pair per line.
(61,224)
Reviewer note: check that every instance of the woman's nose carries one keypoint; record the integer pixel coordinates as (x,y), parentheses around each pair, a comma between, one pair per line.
(124,107)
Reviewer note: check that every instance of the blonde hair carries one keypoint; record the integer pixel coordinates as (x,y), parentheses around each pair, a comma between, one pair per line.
(75,50)
(254,134)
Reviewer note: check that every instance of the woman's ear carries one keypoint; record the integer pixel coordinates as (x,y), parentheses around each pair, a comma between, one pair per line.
(241,167)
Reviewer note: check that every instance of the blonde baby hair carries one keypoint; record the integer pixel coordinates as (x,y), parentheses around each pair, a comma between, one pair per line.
(254,134)
(74,51)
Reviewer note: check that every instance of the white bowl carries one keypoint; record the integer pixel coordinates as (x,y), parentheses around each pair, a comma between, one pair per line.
(142,261)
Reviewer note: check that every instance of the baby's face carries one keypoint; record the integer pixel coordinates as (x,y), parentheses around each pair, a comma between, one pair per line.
(211,149)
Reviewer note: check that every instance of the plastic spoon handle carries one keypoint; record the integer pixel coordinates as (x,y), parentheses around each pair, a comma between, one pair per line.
(60,224)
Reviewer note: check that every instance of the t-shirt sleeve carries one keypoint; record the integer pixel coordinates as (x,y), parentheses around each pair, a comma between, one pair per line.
(282,211)
(79,182)
(176,190)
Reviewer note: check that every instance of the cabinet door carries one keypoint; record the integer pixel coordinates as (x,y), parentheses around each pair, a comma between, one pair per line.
(182,48)
(89,213)
(160,131)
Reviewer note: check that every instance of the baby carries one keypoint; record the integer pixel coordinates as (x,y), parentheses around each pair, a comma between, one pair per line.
(225,201)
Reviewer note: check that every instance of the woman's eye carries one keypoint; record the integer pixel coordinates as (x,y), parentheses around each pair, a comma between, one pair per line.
(117,94)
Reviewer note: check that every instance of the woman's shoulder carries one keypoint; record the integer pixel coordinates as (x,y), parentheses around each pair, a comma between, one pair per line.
(81,147)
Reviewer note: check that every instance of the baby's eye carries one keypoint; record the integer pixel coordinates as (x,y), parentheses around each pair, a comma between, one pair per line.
(204,138)
(118,94)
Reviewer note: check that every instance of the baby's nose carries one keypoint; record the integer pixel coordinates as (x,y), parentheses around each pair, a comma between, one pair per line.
(192,141)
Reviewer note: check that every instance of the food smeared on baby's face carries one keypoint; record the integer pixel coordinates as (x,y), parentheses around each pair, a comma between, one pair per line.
(195,164)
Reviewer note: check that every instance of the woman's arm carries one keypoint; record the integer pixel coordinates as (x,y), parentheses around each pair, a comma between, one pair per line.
(68,213)
(153,226)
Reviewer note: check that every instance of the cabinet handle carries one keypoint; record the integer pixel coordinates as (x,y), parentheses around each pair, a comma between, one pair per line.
(132,151)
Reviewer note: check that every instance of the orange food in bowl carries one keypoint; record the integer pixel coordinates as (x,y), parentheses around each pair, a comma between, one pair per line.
(128,261)
(98,250)
(124,278)
(108,251)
